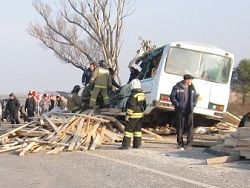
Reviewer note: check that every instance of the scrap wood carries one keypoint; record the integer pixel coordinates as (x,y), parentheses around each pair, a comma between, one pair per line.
(76,135)
(223,159)
(151,133)
(233,116)
(15,130)
(51,123)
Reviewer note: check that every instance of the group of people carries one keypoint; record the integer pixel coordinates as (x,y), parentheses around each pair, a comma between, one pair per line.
(183,96)
(46,104)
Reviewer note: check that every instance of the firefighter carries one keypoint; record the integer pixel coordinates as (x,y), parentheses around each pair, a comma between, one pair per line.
(74,102)
(135,107)
(101,82)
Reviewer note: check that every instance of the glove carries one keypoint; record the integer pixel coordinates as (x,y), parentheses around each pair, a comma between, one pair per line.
(126,118)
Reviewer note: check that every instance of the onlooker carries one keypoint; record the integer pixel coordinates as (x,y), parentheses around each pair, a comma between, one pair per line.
(74,102)
(30,106)
(52,103)
(13,106)
(44,103)
(184,99)
(134,73)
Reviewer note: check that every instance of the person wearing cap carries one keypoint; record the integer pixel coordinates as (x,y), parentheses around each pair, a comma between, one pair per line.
(30,106)
(135,107)
(74,102)
(101,82)
(13,106)
(184,98)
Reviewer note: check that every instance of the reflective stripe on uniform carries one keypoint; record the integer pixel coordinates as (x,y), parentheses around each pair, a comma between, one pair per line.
(128,134)
(129,111)
(140,96)
(137,134)
(136,115)
(92,99)
(101,86)
(105,98)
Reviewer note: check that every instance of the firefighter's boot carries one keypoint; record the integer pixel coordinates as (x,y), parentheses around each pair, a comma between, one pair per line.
(125,143)
(137,142)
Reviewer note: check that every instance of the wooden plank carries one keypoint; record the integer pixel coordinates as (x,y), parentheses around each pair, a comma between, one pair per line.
(13,148)
(39,148)
(77,134)
(86,116)
(96,141)
(233,116)
(32,133)
(223,159)
(90,133)
(27,148)
(15,130)
(112,136)
(51,123)
(151,133)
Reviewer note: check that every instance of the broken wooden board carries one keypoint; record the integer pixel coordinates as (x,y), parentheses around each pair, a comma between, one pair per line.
(223,159)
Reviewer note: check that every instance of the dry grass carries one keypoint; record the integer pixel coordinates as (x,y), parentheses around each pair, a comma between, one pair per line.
(235,105)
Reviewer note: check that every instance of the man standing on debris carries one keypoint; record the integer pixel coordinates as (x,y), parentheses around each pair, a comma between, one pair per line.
(74,102)
(86,76)
(13,106)
(184,99)
(135,107)
(30,106)
(101,82)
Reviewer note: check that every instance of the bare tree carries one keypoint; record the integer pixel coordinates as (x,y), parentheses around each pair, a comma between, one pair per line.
(80,32)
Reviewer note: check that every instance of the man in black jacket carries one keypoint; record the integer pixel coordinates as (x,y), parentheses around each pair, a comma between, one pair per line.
(13,106)
(30,107)
(184,99)
(245,121)
(86,76)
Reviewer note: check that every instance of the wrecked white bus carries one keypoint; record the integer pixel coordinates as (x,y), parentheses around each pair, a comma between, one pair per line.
(163,67)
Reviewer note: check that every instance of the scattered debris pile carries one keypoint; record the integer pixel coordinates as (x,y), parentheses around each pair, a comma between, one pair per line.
(56,132)
(59,133)
(237,144)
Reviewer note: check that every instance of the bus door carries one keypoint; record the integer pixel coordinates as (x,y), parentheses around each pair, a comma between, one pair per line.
(147,85)
(203,88)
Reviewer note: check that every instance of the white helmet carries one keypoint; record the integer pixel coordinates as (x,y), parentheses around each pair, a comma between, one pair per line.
(135,84)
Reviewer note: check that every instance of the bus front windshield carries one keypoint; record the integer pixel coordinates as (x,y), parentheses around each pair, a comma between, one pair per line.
(202,65)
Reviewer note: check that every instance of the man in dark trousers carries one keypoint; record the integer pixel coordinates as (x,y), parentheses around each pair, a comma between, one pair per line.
(184,99)
(30,106)
(86,76)
(135,107)
(13,106)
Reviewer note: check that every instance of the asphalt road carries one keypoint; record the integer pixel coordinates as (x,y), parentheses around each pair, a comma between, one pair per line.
(155,165)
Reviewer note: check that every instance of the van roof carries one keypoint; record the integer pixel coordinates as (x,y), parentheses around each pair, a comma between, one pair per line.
(201,47)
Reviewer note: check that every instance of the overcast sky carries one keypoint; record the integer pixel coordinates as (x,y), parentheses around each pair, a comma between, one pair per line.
(26,65)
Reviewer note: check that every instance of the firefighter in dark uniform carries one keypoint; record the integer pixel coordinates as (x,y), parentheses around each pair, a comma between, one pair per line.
(135,107)
(101,82)
(74,102)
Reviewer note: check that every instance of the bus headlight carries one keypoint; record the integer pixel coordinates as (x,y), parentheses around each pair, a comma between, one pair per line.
(216,107)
